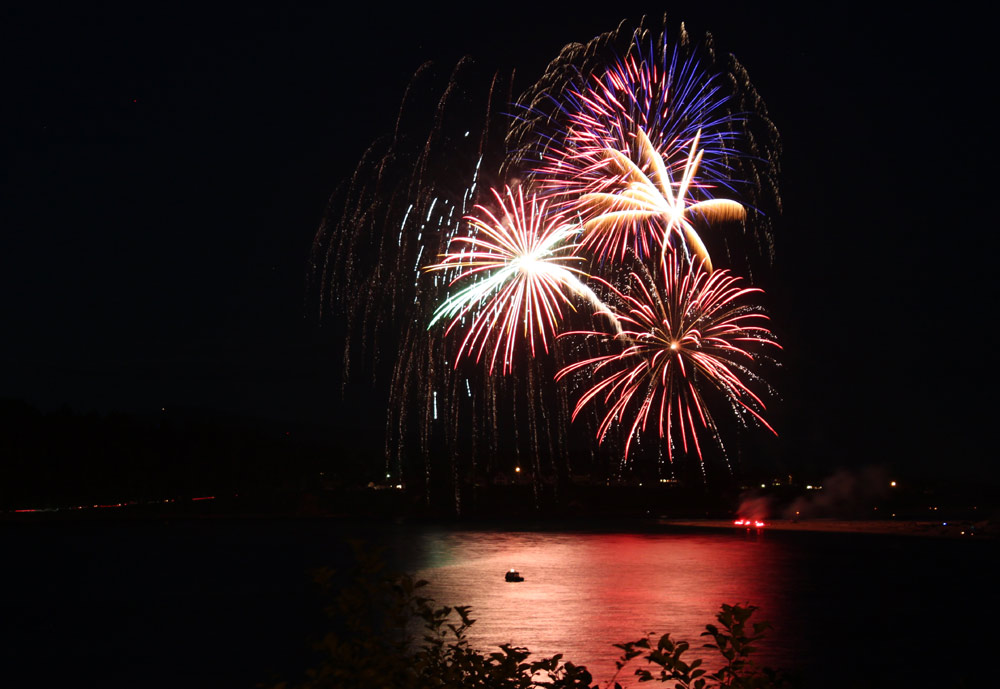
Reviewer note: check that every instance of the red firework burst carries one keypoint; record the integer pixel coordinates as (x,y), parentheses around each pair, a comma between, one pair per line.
(694,335)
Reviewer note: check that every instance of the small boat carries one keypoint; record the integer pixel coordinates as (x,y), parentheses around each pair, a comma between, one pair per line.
(513,575)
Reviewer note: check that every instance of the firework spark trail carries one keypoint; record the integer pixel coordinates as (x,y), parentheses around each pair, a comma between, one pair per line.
(396,213)
(518,260)
(676,344)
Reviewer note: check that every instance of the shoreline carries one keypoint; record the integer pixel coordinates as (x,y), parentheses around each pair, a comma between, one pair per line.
(963,529)
(960,529)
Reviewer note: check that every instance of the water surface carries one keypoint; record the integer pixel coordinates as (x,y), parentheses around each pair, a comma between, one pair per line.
(585,591)
(229,603)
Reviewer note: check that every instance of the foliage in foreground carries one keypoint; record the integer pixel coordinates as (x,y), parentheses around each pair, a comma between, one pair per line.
(388,635)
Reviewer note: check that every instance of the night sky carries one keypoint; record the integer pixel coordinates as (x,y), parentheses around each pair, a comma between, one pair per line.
(165,171)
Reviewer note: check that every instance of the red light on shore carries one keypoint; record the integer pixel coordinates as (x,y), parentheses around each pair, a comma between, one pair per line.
(207,497)
(750,523)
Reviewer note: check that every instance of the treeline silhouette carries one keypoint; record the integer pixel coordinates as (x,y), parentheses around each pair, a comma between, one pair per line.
(61,458)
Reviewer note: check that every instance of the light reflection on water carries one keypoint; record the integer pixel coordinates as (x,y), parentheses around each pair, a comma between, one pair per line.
(584,592)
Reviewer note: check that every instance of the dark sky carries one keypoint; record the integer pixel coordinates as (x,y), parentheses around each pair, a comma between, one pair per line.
(165,170)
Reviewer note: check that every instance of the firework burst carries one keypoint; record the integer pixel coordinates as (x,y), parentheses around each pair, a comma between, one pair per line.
(693,336)
(449,426)
(649,203)
(633,145)
(519,262)
(652,109)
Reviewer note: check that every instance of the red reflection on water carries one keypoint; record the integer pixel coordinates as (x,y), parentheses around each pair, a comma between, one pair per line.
(583,592)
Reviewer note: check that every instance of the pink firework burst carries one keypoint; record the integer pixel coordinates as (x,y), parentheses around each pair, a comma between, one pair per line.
(677,343)
(517,272)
